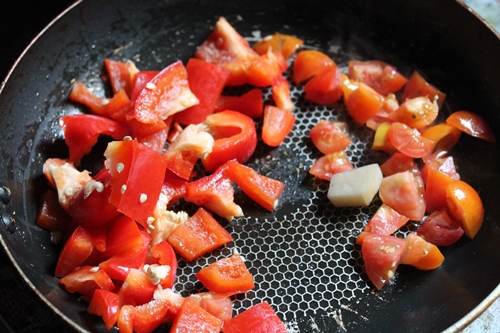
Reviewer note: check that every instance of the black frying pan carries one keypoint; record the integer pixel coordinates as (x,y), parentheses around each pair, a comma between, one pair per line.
(302,256)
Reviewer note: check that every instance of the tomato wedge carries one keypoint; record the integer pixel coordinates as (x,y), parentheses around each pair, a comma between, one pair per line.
(329,136)
(287,45)
(379,75)
(362,103)
(466,206)
(417,112)
(227,276)
(418,86)
(324,88)
(472,124)
(421,254)
(385,221)
(409,141)
(328,165)
(276,125)
(440,229)
(309,63)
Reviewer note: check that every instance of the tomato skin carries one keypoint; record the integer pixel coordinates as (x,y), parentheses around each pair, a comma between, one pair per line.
(259,318)
(400,191)
(198,235)
(435,190)
(379,75)
(440,229)
(285,44)
(249,103)
(385,221)
(263,190)
(444,136)
(106,304)
(81,132)
(277,123)
(472,124)
(466,206)
(417,112)
(329,137)
(324,88)
(421,254)
(418,86)
(84,281)
(227,276)
(409,141)
(75,251)
(166,94)
(328,165)
(309,63)
(235,138)
(363,103)
(399,162)
(206,80)
(192,318)
(381,255)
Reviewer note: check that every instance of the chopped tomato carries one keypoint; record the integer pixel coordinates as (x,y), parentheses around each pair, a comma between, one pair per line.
(137,174)
(399,162)
(409,141)
(444,136)
(417,112)
(421,254)
(381,256)
(206,80)
(435,189)
(440,229)
(166,94)
(198,235)
(227,48)
(249,103)
(120,75)
(266,70)
(137,288)
(466,206)
(309,63)
(106,304)
(381,140)
(328,165)
(287,45)
(400,191)
(472,124)
(227,276)
(193,318)
(75,251)
(276,125)
(324,88)
(329,136)
(281,95)
(385,221)
(214,192)
(259,318)
(235,138)
(362,103)
(85,280)
(418,86)
(81,132)
(380,76)
(262,189)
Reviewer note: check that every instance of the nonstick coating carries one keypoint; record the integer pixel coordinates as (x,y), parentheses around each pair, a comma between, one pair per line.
(303,256)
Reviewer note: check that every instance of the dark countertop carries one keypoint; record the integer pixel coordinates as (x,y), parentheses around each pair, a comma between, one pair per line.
(22,22)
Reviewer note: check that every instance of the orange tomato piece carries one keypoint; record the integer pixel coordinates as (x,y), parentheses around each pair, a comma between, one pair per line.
(380,76)
(472,124)
(466,206)
(444,136)
(276,125)
(309,63)
(417,112)
(435,189)
(324,88)
(286,44)
(418,86)
(421,254)
(363,103)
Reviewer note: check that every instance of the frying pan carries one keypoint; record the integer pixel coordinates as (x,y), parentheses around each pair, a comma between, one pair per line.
(303,255)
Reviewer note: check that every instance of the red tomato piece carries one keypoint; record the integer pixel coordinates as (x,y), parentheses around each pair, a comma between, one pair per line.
(106,304)
(192,318)
(137,174)
(379,75)
(385,221)
(266,70)
(166,94)
(249,103)
(137,288)
(259,318)
(421,254)
(401,192)
(235,138)
(418,86)
(324,88)
(381,256)
(263,190)
(199,234)
(435,189)
(329,136)
(206,80)
(399,162)
(81,132)
(309,63)
(417,112)
(277,123)
(328,165)
(285,44)
(75,251)
(472,124)
(120,75)
(91,207)
(281,95)
(215,192)
(466,206)
(440,229)
(227,48)
(409,141)
(389,105)
(363,103)
(85,280)
(227,276)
